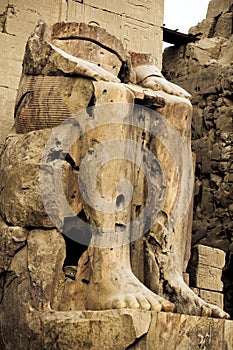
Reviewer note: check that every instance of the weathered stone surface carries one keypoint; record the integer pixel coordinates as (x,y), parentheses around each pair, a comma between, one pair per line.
(18,19)
(185,333)
(204,255)
(48,56)
(45,258)
(20,194)
(40,271)
(46,101)
(72,292)
(127,20)
(124,19)
(85,49)
(47,59)
(36,274)
(17,291)
(13,238)
(123,329)
(206,277)
(224,25)
(206,72)
(217,7)
(96,35)
(95,330)
(21,202)
(214,298)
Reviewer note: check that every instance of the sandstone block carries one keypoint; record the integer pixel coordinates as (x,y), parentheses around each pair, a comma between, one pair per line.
(75,331)
(94,34)
(209,296)
(46,255)
(17,292)
(204,255)
(205,267)
(184,332)
(11,57)
(121,330)
(135,29)
(22,17)
(138,9)
(212,297)
(7,95)
(21,201)
(20,198)
(206,277)
(13,238)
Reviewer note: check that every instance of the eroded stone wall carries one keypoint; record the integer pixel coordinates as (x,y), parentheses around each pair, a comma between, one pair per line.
(204,68)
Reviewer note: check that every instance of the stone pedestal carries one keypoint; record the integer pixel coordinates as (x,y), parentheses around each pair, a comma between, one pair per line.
(121,330)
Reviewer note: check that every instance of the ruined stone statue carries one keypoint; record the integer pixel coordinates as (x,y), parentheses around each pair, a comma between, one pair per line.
(67,68)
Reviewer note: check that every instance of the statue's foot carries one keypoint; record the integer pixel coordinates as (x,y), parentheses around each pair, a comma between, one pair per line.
(187,302)
(122,290)
(160,83)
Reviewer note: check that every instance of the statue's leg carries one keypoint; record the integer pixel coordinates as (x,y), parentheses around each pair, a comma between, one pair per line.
(168,240)
(112,283)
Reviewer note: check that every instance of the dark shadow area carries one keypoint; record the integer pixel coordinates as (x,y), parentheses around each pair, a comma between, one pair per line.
(77,236)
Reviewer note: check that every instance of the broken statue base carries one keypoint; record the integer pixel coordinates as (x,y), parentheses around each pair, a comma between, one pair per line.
(120,330)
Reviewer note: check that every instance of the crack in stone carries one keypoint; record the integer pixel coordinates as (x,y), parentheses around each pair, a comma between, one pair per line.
(137,341)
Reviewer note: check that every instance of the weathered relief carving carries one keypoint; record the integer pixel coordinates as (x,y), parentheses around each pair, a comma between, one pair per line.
(137,236)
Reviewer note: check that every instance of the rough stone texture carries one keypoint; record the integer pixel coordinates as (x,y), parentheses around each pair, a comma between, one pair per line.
(17,20)
(204,69)
(60,31)
(206,277)
(215,298)
(185,333)
(204,255)
(47,274)
(13,239)
(35,274)
(124,329)
(217,7)
(205,272)
(45,101)
(47,54)
(20,197)
(127,20)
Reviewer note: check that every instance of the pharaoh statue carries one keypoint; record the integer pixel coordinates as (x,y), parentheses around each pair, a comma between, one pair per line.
(82,98)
